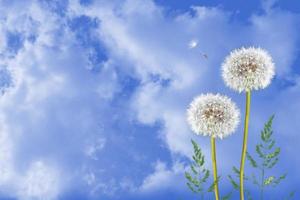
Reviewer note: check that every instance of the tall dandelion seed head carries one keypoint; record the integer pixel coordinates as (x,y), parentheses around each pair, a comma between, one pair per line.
(248,69)
(213,115)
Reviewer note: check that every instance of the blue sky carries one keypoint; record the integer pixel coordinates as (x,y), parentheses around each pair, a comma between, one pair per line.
(94,93)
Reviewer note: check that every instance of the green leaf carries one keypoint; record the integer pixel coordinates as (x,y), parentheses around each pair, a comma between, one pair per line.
(273,154)
(278,180)
(269,180)
(211,187)
(259,152)
(233,183)
(271,145)
(188,176)
(195,145)
(236,171)
(200,160)
(252,161)
(206,175)
(267,132)
(194,170)
(227,196)
(191,187)
(198,174)
(192,180)
(272,164)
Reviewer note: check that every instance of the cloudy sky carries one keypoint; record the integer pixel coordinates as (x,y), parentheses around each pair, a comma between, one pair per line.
(94,94)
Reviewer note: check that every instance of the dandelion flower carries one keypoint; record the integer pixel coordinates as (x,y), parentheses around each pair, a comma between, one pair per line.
(213,115)
(248,69)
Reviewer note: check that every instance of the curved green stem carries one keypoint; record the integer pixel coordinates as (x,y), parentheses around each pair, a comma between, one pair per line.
(244,150)
(214,164)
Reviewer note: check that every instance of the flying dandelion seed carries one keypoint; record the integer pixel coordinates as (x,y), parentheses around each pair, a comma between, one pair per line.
(193,43)
(204,55)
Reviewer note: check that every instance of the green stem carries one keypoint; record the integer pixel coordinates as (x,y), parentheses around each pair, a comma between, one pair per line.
(262,184)
(244,150)
(214,163)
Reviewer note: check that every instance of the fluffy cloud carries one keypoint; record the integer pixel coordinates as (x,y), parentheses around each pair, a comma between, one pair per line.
(6,159)
(49,110)
(40,182)
(164,178)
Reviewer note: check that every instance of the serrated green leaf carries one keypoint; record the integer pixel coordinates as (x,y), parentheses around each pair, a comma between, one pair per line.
(272,164)
(191,187)
(278,180)
(188,176)
(194,170)
(236,170)
(205,177)
(267,132)
(198,175)
(211,187)
(259,152)
(252,161)
(273,154)
(200,160)
(195,146)
(271,145)
(269,180)
(234,184)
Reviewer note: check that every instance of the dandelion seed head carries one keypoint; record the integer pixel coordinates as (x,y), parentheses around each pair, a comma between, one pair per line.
(248,69)
(213,115)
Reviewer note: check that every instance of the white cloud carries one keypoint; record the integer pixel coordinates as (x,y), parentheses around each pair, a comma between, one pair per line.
(40,182)
(6,157)
(277,26)
(164,178)
(98,187)
(93,147)
(49,111)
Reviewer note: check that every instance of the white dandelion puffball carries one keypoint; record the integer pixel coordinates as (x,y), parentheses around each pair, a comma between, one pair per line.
(248,69)
(213,115)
